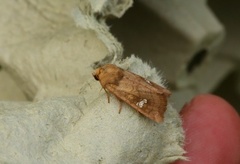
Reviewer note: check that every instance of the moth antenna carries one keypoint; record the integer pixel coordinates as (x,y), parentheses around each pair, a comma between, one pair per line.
(100,90)
(89,85)
(120,106)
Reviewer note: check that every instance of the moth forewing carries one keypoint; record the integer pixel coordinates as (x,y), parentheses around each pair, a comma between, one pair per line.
(143,95)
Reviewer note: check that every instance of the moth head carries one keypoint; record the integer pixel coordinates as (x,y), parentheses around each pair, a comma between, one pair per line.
(96,74)
(103,71)
(108,74)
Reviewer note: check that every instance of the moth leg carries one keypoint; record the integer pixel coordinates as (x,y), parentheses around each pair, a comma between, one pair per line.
(120,106)
(108,97)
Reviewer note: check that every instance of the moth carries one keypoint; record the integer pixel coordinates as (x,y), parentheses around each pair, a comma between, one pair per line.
(145,96)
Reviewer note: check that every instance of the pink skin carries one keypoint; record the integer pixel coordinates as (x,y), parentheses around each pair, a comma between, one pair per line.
(212,128)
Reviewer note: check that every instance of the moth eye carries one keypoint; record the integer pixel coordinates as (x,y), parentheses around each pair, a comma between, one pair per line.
(96,77)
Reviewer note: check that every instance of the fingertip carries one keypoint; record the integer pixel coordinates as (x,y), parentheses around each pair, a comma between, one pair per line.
(212,130)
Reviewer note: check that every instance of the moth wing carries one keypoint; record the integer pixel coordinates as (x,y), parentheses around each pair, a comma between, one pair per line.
(142,95)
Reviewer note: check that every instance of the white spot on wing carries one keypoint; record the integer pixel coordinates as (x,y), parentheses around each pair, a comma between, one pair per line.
(141,103)
(148,81)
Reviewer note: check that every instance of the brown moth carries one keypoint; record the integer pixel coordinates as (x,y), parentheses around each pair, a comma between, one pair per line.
(146,97)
